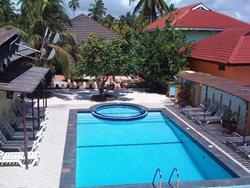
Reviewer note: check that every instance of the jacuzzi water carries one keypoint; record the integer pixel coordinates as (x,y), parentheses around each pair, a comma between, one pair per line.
(129,152)
(119,111)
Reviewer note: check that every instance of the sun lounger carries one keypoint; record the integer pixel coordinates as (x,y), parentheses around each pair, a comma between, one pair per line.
(44,113)
(17,122)
(211,119)
(200,108)
(244,151)
(26,109)
(16,145)
(18,158)
(12,134)
(25,104)
(210,111)
(235,141)
(238,139)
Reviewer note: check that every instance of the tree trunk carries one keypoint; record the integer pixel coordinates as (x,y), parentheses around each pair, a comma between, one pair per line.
(101,81)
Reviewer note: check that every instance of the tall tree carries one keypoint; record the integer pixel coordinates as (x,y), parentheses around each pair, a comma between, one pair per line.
(164,52)
(73,5)
(127,19)
(109,21)
(55,15)
(66,54)
(35,17)
(97,11)
(150,9)
(171,7)
(46,12)
(7,11)
(102,58)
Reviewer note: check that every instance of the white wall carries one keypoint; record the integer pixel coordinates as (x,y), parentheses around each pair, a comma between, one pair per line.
(5,104)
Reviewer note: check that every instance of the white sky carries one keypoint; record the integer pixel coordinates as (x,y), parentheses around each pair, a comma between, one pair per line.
(239,9)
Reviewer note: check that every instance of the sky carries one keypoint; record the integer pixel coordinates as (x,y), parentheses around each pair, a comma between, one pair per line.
(239,9)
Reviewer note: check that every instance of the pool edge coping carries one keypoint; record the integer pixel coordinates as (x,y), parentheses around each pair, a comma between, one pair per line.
(68,172)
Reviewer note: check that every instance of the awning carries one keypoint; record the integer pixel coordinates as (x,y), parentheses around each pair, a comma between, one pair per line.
(6,35)
(234,88)
(23,79)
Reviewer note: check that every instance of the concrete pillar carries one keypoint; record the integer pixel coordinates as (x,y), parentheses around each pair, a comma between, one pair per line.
(197,95)
(177,91)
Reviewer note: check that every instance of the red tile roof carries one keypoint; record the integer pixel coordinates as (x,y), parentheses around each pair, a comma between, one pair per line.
(187,18)
(231,46)
(59,77)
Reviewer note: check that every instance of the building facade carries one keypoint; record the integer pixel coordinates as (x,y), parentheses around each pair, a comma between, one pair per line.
(225,55)
(197,21)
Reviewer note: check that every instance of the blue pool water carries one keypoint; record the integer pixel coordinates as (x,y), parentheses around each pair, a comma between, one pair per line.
(121,152)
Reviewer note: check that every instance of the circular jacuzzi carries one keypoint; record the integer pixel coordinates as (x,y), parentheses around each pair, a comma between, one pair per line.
(118,112)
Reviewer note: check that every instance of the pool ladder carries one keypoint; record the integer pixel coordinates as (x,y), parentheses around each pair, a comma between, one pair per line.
(177,178)
(158,172)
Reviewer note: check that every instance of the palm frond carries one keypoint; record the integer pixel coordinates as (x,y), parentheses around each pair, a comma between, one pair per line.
(138,6)
(68,37)
(63,59)
(23,34)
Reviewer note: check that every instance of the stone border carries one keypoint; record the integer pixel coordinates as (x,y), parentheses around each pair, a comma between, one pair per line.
(142,109)
(68,173)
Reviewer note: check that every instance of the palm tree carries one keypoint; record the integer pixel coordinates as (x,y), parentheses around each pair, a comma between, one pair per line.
(127,19)
(7,11)
(109,21)
(150,9)
(74,4)
(50,11)
(66,54)
(35,17)
(97,11)
(171,8)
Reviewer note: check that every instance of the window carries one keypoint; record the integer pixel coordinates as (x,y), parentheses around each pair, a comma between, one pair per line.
(222,67)
(9,94)
(200,8)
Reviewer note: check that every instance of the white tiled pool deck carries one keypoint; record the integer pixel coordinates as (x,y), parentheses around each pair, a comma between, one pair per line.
(47,173)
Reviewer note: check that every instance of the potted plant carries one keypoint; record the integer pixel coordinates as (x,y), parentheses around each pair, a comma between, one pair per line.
(184,95)
(230,121)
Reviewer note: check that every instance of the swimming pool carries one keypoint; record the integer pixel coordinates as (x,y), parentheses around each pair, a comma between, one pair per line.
(129,152)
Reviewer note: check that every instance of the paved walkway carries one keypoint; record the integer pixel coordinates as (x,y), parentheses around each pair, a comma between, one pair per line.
(47,173)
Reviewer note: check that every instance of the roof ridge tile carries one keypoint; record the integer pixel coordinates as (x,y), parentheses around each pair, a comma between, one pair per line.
(235,50)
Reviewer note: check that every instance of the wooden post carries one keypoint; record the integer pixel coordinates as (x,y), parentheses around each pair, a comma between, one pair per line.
(33,120)
(25,137)
(42,91)
(38,111)
(43,105)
